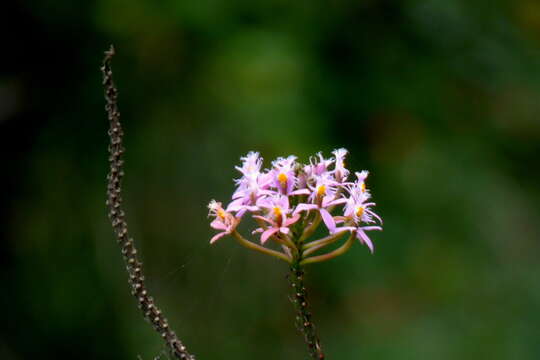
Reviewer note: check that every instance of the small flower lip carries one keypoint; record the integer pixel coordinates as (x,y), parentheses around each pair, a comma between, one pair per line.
(252,164)
(319,166)
(213,208)
(340,171)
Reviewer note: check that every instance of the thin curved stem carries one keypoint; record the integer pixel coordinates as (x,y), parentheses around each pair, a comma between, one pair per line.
(330,238)
(339,251)
(250,245)
(319,244)
(286,240)
(308,231)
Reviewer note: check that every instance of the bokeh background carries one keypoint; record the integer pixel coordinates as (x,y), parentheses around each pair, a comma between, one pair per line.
(438,99)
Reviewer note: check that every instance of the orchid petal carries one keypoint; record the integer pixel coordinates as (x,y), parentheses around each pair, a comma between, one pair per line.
(290,183)
(304,207)
(235,204)
(266,234)
(368,228)
(328,220)
(218,236)
(361,235)
(285,202)
(264,219)
(218,225)
(292,220)
(241,213)
(345,228)
(374,215)
(333,202)
(362,175)
(301,192)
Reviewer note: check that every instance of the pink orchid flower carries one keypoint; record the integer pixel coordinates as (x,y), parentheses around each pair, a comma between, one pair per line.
(358,210)
(223,221)
(323,195)
(278,210)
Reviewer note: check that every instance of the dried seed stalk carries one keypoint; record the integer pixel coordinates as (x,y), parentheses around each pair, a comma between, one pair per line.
(116,214)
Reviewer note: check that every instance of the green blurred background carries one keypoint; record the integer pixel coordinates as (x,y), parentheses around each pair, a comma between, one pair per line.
(438,99)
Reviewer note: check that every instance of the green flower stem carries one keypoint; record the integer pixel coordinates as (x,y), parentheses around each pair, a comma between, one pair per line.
(253,246)
(329,239)
(311,228)
(339,251)
(313,246)
(286,240)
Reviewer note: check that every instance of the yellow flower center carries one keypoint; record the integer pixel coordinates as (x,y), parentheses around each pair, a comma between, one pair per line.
(221,213)
(282,178)
(359,211)
(363,187)
(321,190)
(277,211)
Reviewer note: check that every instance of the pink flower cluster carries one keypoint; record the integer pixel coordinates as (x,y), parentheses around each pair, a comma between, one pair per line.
(289,200)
